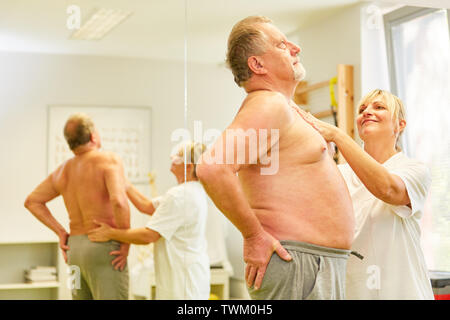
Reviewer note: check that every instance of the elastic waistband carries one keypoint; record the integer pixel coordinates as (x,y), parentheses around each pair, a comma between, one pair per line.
(78,236)
(83,238)
(315,249)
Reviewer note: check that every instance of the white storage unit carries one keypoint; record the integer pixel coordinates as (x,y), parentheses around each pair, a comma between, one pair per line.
(220,284)
(18,257)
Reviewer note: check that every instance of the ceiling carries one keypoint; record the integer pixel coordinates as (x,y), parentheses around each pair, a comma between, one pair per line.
(157,29)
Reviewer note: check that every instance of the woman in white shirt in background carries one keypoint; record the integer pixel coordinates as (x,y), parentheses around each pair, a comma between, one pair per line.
(177,227)
(388,191)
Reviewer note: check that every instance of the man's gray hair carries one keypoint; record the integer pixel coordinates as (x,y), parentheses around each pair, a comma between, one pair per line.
(78,130)
(245,40)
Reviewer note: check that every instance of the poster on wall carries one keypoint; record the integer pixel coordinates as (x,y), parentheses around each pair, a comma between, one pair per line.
(125,131)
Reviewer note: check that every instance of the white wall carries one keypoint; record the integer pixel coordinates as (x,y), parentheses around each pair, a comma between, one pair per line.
(30,82)
(327,42)
(374,65)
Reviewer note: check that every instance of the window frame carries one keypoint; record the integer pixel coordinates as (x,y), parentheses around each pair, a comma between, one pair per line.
(390,20)
(394,18)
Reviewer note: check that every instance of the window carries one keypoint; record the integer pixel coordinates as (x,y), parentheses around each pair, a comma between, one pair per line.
(418,58)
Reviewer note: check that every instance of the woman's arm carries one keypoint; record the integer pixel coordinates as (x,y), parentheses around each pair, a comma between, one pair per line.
(142,203)
(385,186)
(136,236)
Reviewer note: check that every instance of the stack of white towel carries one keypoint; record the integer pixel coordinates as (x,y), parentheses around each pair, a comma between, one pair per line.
(40,274)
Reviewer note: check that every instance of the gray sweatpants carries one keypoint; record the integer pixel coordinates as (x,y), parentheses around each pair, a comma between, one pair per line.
(98,279)
(314,273)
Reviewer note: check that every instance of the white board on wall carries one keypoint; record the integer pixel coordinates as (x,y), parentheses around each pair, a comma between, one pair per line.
(125,131)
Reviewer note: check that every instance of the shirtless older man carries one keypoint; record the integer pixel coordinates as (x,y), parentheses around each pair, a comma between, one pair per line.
(92,184)
(302,212)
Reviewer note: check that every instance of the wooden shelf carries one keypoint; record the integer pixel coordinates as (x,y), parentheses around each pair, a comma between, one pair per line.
(35,285)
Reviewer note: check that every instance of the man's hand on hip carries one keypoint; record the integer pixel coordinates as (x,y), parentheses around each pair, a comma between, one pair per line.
(63,238)
(257,252)
(120,261)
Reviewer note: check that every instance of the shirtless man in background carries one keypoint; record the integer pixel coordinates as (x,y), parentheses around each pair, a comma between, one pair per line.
(92,184)
(303,211)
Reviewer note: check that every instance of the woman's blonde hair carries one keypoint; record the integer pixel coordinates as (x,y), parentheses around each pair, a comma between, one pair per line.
(191,152)
(393,104)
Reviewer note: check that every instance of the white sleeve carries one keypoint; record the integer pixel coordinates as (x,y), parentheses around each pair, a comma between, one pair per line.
(157,201)
(417,179)
(341,166)
(168,217)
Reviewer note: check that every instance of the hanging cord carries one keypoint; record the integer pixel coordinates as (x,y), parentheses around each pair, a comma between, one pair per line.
(185,81)
(186,128)
(334,106)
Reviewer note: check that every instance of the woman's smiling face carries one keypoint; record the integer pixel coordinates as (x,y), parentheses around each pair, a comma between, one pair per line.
(375,119)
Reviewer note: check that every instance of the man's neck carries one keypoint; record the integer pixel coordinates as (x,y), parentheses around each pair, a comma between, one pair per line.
(81,150)
(286,89)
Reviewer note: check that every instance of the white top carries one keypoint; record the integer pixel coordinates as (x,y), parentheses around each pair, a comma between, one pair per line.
(181,256)
(388,237)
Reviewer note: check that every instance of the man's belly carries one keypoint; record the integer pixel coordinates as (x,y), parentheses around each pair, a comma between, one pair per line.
(321,228)
(310,205)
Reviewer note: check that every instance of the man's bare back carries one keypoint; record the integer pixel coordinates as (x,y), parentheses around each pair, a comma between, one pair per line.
(92,184)
(307,199)
(83,182)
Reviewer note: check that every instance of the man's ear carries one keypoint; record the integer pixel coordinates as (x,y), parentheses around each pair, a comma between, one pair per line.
(256,65)
(94,138)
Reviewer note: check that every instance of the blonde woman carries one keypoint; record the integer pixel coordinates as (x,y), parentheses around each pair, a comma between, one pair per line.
(388,192)
(177,227)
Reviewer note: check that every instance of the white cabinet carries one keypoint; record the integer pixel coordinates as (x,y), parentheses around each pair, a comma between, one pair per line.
(15,258)
(220,284)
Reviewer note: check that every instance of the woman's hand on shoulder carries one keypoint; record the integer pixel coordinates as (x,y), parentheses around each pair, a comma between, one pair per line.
(328,131)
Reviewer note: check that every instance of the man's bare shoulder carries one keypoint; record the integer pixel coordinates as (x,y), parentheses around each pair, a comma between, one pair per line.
(109,157)
(63,166)
(264,109)
(59,172)
(264,100)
